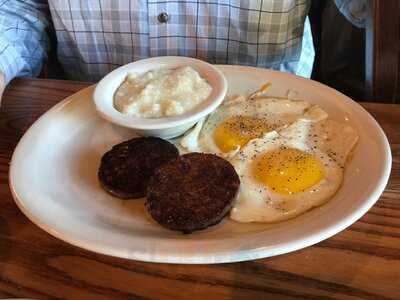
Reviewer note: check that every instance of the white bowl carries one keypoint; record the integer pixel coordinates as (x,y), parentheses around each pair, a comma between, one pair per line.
(168,127)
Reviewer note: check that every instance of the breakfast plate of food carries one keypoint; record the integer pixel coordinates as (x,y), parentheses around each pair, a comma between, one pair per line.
(274,164)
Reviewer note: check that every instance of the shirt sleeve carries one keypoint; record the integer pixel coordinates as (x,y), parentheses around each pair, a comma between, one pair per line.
(354,10)
(23,37)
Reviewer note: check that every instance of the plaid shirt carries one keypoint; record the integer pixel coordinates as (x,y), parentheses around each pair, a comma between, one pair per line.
(96,36)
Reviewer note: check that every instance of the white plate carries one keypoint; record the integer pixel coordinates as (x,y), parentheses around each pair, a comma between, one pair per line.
(53,178)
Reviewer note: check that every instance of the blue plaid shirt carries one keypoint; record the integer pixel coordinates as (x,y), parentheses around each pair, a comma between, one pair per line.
(94,37)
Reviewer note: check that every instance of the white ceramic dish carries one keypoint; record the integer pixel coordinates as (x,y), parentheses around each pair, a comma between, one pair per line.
(163,127)
(53,178)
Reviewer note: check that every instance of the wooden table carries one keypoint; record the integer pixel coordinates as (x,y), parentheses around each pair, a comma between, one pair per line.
(362,262)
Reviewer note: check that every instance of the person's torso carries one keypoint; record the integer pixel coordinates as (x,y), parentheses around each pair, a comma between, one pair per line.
(94,37)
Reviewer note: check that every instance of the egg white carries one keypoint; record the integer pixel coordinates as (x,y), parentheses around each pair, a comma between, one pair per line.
(331,137)
(328,141)
(258,203)
(276,112)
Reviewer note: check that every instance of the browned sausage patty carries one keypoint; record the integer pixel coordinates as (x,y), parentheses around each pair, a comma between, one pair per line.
(192,192)
(125,169)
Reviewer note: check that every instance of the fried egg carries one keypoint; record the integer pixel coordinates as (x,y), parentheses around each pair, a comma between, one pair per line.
(286,174)
(240,120)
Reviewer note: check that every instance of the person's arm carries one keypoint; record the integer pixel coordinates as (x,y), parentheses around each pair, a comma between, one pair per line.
(354,10)
(2,86)
(23,38)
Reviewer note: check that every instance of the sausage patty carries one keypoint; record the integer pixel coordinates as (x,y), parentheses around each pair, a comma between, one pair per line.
(192,192)
(125,169)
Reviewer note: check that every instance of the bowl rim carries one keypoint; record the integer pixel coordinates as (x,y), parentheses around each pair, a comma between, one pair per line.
(109,84)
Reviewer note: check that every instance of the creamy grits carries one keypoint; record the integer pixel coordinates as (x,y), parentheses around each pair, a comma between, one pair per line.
(161,93)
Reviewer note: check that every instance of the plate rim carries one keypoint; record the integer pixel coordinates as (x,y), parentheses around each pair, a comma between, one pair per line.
(223,256)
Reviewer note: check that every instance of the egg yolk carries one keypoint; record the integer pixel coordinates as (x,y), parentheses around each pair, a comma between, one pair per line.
(237,131)
(287,171)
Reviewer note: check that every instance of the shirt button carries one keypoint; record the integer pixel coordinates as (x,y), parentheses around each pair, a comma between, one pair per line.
(163,17)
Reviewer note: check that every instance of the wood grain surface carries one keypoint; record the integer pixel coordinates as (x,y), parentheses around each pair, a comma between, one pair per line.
(382,50)
(362,262)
